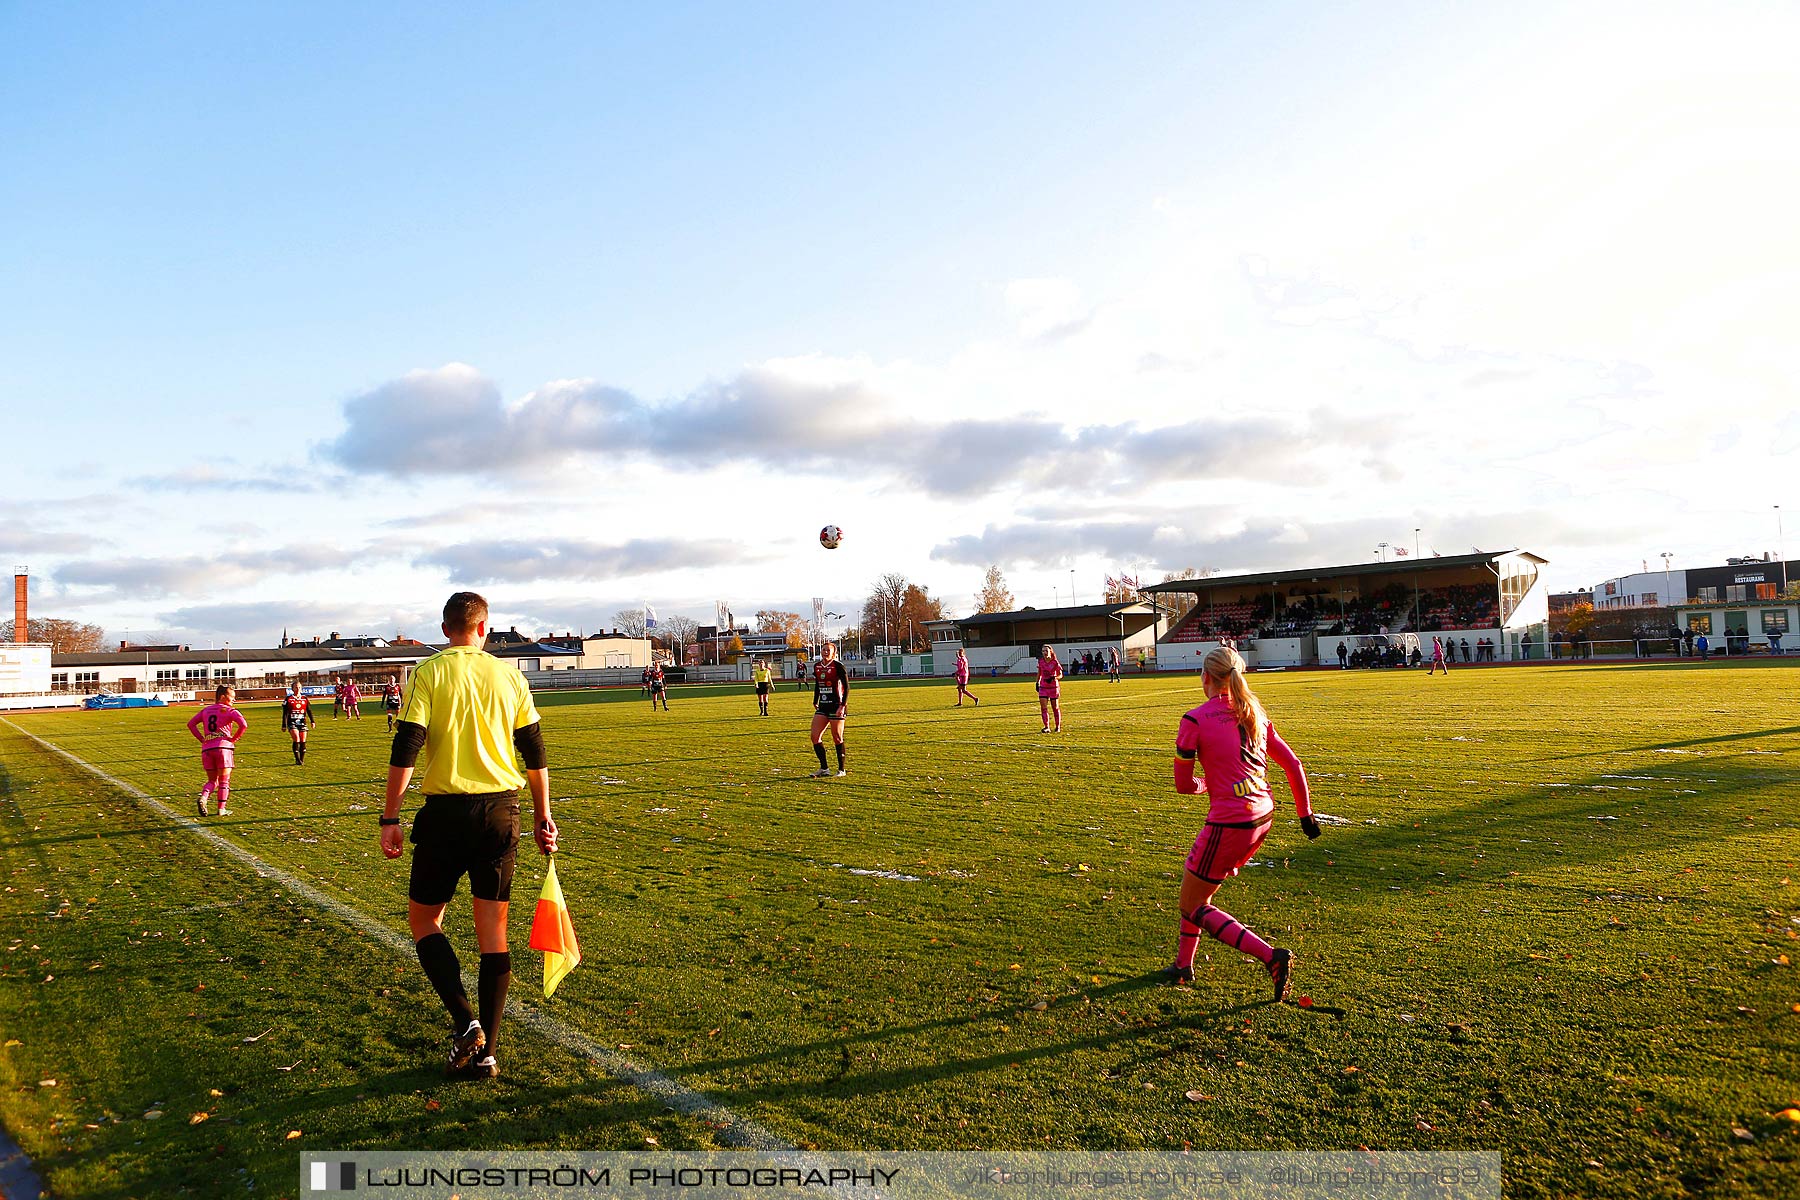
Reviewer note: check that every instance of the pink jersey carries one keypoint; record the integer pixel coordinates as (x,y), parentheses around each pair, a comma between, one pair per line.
(217,726)
(962,670)
(1049,673)
(352,693)
(1236,772)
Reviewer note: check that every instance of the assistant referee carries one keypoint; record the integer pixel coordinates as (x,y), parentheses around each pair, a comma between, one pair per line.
(467,711)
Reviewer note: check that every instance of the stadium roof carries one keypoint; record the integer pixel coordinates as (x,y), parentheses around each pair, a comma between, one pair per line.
(1404,566)
(538,649)
(1046,614)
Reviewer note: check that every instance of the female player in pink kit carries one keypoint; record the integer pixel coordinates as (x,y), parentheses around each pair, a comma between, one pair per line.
(218,726)
(1049,687)
(1232,740)
(962,679)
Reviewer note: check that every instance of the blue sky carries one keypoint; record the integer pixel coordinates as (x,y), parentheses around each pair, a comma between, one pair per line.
(316,312)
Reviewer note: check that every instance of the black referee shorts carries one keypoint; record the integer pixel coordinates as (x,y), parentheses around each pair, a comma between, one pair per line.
(453,836)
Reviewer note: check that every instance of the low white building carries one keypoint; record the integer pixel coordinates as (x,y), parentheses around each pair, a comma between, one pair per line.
(1745,627)
(161,669)
(1007,643)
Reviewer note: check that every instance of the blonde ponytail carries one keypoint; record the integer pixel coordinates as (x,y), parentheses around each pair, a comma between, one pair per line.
(1225,667)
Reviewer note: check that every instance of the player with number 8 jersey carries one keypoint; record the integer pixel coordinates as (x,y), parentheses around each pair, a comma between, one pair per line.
(217,727)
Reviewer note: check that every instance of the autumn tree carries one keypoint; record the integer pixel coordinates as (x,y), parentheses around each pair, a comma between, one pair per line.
(900,609)
(630,622)
(795,626)
(63,637)
(734,649)
(994,595)
(1577,619)
(678,628)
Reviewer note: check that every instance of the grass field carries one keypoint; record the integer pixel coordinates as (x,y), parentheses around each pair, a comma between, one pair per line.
(1554,924)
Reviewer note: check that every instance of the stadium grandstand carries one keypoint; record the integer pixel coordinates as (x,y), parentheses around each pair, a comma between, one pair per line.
(1006,643)
(1297,617)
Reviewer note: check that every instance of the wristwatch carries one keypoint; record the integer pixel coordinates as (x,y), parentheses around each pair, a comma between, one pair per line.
(390,820)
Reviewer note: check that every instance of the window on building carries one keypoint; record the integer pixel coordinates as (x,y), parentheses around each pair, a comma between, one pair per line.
(168,674)
(1709,595)
(195,674)
(87,677)
(1775,620)
(1648,599)
(59,679)
(1700,623)
(1734,593)
(224,672)
(1765,591)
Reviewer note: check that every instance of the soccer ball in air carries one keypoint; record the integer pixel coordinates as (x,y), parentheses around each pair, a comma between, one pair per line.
(830,536)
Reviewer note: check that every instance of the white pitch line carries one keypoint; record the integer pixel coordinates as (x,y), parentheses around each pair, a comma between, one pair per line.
(732,1129)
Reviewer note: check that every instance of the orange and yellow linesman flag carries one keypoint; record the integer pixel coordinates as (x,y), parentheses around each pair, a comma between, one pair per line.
(554,934)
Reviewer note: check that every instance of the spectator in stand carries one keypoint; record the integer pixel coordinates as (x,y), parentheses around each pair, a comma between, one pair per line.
(1687,642)
(1465,649)
(1774,641)
(1343,657)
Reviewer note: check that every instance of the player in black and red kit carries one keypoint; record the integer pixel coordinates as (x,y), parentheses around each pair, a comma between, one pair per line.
(390,701)
(296,718)
(831,703)
(658,687)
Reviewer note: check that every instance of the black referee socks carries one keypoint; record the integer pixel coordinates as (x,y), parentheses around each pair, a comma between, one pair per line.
(491,985)
(445,973)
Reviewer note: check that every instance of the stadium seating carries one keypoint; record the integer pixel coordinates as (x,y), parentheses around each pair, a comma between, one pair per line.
(1462,606)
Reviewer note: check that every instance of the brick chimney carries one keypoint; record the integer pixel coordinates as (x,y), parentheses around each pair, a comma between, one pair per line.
(21,626)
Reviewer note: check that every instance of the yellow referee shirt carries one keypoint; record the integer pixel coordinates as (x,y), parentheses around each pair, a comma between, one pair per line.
(759,673)
(469,703)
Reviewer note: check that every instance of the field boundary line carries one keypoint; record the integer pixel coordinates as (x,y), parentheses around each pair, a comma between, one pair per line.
(731,1129)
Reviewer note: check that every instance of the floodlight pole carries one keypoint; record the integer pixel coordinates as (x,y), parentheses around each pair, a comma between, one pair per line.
(1418,624)
(1780,549)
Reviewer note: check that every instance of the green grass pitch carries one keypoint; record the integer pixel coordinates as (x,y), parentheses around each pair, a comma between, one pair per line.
(1554,924)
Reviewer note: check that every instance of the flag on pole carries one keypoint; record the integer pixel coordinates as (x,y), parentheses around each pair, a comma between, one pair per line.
(649,617)
(1401,552)
(554,934)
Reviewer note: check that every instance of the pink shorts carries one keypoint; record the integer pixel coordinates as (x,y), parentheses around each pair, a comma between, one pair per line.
(217,759)
(1221,850)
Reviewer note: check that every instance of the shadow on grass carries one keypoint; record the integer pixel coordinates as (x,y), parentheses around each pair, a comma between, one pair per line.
(1074,1000)
(843,1083)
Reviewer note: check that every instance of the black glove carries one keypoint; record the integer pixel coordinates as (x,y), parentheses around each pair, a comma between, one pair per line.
(1310,826)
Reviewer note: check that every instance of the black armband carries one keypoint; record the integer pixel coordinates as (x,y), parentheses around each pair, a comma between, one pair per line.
(530,742)
(409,739)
